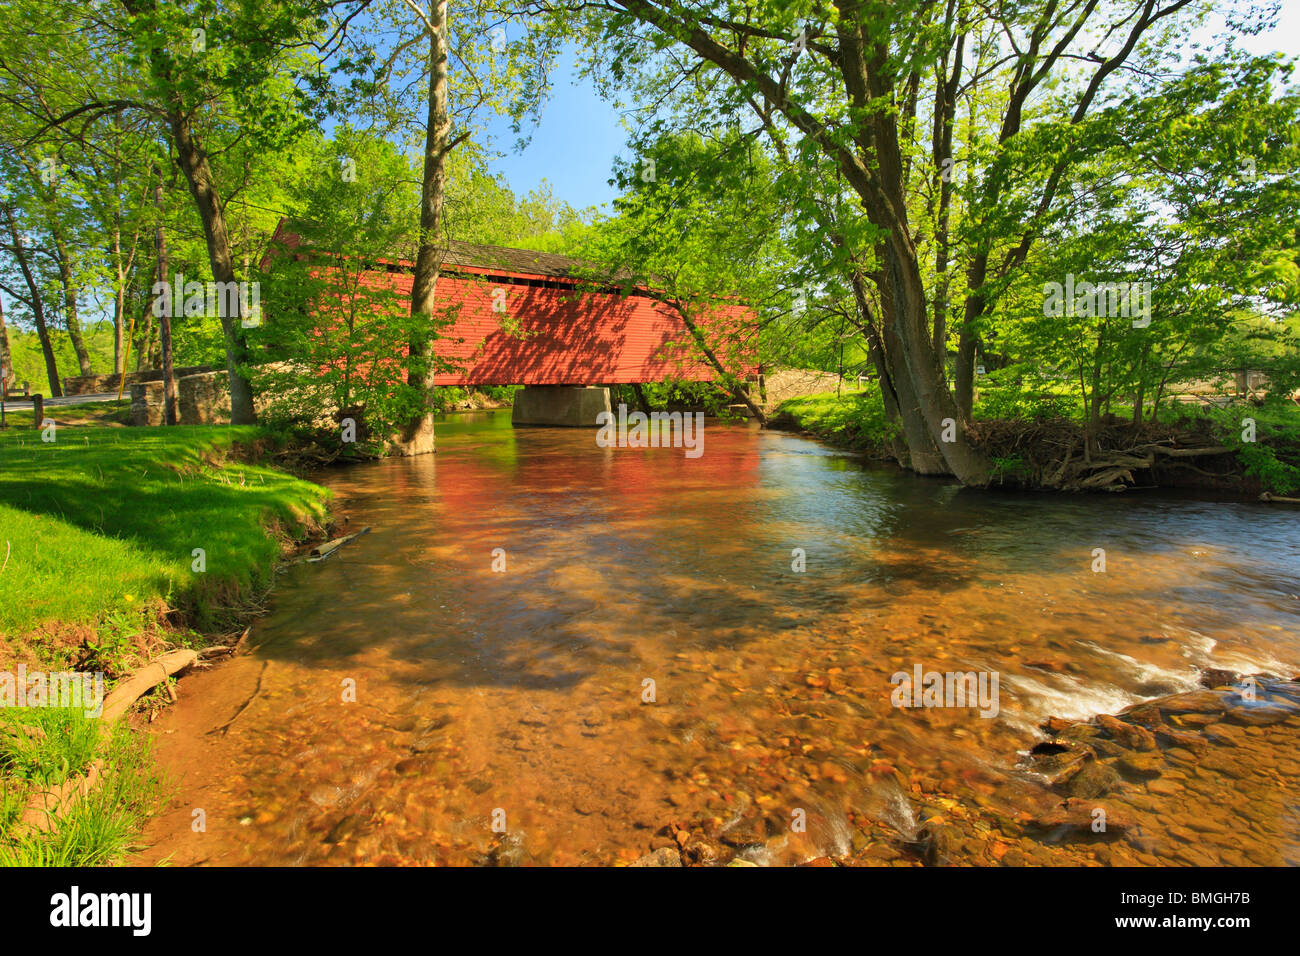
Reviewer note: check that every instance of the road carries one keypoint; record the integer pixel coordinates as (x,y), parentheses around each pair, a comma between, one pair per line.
(25,404)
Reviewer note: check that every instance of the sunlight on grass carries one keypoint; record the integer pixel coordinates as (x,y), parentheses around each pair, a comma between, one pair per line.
(107,521)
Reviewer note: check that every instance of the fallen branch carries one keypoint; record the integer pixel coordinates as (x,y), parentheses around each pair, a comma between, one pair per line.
(1272,498)
(1191,452)
(323,551)
(144,680)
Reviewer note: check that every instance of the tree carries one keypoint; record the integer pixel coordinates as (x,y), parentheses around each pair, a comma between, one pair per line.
(493,73)
(339,326)
(6,359)
(698,228)
(844,79)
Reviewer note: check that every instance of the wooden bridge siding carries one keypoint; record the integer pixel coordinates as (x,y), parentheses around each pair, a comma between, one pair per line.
(566,338)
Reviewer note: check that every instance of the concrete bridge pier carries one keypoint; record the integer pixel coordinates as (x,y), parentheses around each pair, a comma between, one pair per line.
(574,406)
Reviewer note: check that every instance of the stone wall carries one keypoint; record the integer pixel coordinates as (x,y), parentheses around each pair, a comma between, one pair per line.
(147,403)
(201,399)
(572,406)
(204,399)
(98,384)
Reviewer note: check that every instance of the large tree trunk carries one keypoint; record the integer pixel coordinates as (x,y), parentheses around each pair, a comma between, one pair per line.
(198,173)
(963,378)
(417,436)
(164,320)
(932,403)
(70,317)
(898,445)
(924,455)
(874,168)
(37,306)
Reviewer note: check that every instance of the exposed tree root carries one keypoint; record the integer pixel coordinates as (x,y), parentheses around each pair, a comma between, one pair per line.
(1058,455)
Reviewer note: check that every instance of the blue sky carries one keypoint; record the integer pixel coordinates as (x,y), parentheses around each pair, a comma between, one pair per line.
(573,147)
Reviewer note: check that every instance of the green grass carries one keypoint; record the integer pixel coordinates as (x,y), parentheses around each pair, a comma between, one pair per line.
(100,525)
(853,419)
(98,828)
(97,536)
(46,744)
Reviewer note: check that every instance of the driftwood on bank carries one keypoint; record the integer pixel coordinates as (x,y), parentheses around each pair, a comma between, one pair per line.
(45,805)
(1058,454)
(1114,470)
(323,551)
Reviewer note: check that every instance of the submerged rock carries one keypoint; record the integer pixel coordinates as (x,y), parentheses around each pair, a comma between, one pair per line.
(664,856)
(1095,779)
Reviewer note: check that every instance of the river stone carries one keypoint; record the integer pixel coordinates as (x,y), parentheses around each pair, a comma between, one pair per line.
(1164,787)
(1199,702)
(1055,725)
(1135,738)
(1078,814)
(751,830)
(1148,715)
(883,851)
(664,856)
(1108,748)
(1182,738)
(1095,779)
(1194,856)
(1143,764)
(1058,762)
(939,844)
(1225,734)
(707,854)
(1195,721)
(1260,714)
(1288,689)
(1081,732)
(1218,677)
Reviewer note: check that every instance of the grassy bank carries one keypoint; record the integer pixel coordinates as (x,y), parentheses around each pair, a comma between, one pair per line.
(1025,442)
(853,419)
(115,544)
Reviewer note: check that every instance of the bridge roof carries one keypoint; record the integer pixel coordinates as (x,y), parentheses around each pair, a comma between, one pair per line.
(521,261)
(477,257)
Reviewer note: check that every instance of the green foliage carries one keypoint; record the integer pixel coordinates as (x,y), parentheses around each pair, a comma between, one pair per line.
(1262,462)
(1270,451)
(1201,210)
(854,419)
(1018,393)
(101,524)
(98,828)
(336,331)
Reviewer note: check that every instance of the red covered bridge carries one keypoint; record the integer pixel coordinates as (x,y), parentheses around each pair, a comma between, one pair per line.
(529,318)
